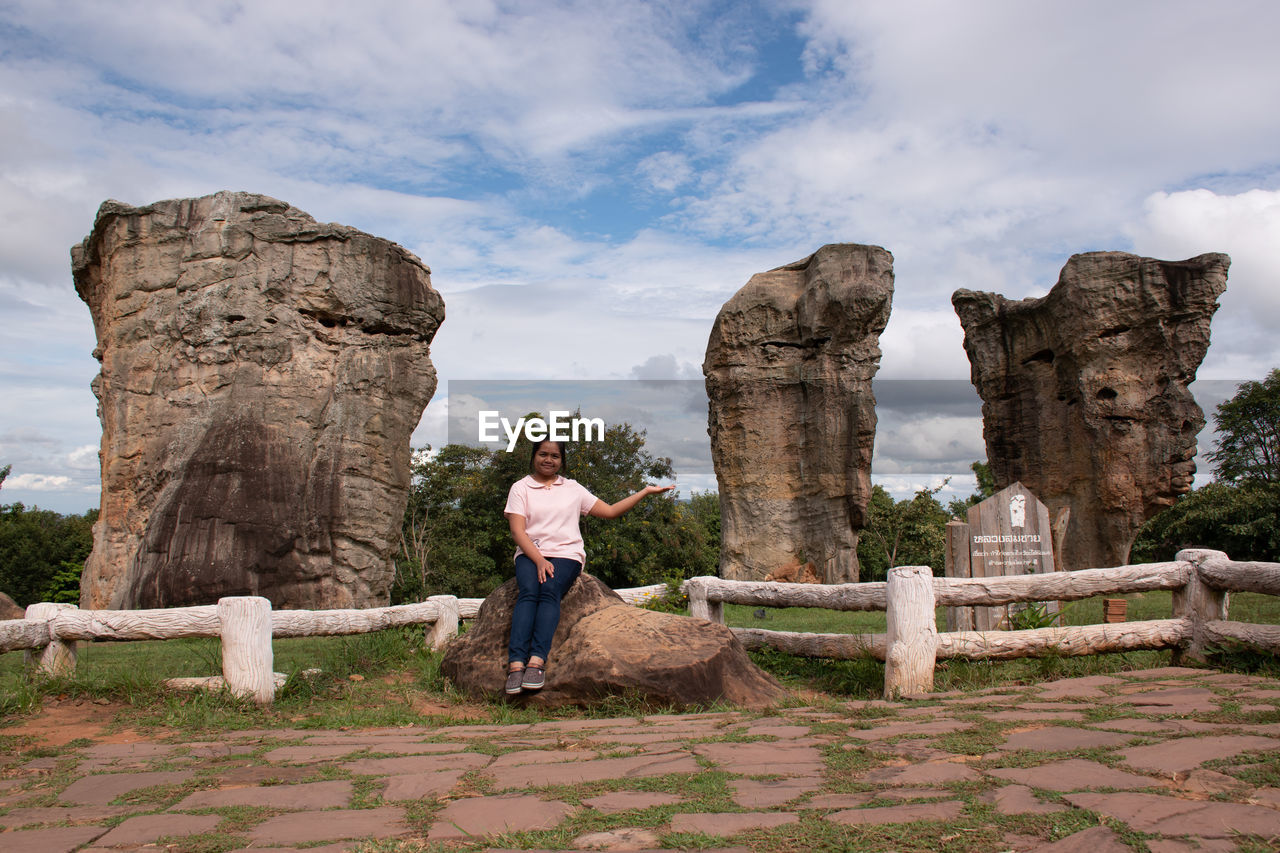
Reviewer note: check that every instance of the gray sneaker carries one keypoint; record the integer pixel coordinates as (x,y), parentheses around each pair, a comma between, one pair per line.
(533,678)
(515,679)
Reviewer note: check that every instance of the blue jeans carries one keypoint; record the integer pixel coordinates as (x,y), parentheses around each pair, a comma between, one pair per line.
(537,611)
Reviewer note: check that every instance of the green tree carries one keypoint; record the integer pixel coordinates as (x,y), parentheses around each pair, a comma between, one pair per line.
(448,542)
(986,488)
(1241,520)
(42,553)
(909,532)
(455,538)
(1248,446)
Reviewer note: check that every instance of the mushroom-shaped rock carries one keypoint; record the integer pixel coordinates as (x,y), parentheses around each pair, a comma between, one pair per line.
(1084,390)
(604,648)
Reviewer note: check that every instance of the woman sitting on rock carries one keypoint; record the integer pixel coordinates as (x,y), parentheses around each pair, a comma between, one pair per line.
(543,510)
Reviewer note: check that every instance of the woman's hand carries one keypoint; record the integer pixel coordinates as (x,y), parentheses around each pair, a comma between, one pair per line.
(622,507)
(545,569)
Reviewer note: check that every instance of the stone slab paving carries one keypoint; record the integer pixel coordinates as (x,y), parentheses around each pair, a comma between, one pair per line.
(62,839)
(1096,839)
(63,814)
(313,795)
(1075,774)
(304,827)
(928,773)
(481,816)
(573,772)
(730,823)
(625,801)
(909,813)
(636,781)
(144,829)
(1019,799)
(419,786)
(1063,739)
(1174,816)
(1182,755)
(753,794)
(101,789)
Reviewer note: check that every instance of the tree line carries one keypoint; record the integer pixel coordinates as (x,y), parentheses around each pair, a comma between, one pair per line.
(455,539)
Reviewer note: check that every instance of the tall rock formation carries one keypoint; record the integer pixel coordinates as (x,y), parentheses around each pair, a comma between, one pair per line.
(792,417)
(261,375)
(1084,391)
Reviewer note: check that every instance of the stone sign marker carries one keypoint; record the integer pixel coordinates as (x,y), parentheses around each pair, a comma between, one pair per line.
(1007,534)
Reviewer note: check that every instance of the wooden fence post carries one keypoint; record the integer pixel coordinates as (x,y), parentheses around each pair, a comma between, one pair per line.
(1198,602)
(699,606)
(247,660)
(912,632)
(446,625)
(59,657)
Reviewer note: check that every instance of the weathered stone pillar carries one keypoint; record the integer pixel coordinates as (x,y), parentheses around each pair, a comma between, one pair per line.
(792,417)
(1084,390)
(261,376)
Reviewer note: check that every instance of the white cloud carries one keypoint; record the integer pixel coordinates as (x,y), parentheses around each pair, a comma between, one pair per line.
(1247,227)
(919,443)
(588,187)
(38,482)
(84,458)
(666,171)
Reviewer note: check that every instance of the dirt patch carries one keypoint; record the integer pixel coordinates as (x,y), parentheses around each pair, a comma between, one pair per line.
(60,722)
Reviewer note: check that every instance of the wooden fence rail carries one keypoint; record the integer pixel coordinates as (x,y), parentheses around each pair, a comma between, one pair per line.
(1200,581)
(245,624)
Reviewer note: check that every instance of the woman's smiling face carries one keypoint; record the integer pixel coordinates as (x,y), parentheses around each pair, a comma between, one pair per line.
(547,461)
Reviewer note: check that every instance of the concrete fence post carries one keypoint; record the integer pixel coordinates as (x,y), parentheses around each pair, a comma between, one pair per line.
(700,607)
(912,632)
(445,628)
(59,657)
(246,647)
(1198,602)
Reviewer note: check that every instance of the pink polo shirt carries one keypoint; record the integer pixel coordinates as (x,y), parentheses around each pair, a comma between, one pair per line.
(551,514)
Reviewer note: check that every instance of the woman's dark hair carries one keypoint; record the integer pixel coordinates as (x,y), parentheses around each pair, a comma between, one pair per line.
(564,454)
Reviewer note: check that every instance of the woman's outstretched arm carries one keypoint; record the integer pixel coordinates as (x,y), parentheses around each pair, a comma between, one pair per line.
(622,507)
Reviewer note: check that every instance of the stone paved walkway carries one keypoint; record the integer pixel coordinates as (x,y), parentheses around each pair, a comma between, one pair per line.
(1164,761)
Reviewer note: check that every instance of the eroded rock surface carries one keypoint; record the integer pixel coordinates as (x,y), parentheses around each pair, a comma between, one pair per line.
(1084,391)
(261,375)
(792,417)
(10,609)
(606,648)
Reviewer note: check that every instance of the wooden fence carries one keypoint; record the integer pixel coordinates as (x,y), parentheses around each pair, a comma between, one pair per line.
(1200,581)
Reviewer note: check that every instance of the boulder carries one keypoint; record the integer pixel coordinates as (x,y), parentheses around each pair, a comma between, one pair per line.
(792,418)
(10,609)
(1084,390)
(261,374)
(605,648)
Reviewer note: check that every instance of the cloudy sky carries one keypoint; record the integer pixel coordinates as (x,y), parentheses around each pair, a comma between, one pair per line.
(590,181)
